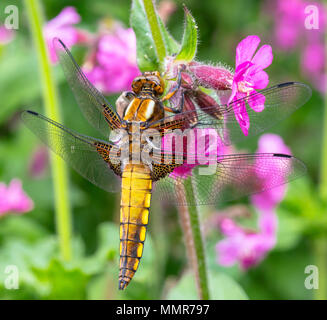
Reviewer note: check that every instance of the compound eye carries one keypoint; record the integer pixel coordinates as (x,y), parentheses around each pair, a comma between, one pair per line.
(136,87)
(159,89)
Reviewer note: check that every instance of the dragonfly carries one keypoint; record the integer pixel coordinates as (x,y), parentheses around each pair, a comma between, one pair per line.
(102,162)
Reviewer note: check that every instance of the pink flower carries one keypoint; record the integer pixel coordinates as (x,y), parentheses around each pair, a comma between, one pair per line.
(269,199)
(289,17)
(112,68)
(313,63)
(296,27)
(248,248)
(313,58)
(249,75)
(62,27)
(14,199)
(6,35)
(243,247)
(39,162)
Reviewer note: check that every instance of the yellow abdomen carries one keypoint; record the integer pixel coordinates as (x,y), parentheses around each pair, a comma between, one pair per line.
(134,215)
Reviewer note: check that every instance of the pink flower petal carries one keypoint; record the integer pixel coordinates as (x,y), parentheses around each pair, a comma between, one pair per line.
(267,200)
(259,79)
(257,103)
(67,17)
(246,48)
(228,251)
(14,199)
(113,68)
(241,114)
(268,223)
(6,35)
(246,248)
(62,27)
(263,57)
(270,142)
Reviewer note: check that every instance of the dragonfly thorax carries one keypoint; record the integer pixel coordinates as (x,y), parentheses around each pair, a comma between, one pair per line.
(143,110)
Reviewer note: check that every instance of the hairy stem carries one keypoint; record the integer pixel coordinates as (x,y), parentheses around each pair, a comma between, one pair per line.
(58,168)
(155,30)
(193,239)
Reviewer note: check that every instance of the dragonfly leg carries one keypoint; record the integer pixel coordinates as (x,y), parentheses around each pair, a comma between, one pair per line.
(169,95)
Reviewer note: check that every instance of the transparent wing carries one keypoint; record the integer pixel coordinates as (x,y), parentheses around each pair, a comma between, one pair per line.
(96,109)
(234,176)
(79,151)
(280,101)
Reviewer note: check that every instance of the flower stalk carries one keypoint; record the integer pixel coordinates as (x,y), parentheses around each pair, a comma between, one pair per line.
(320,244)
(193,238)
(155,30)
(58,168)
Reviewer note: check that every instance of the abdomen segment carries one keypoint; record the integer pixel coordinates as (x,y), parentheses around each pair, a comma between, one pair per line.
(134,216)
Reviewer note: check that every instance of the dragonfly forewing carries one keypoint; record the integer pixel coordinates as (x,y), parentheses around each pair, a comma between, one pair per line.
(280,101)
(95,107)
(83,153)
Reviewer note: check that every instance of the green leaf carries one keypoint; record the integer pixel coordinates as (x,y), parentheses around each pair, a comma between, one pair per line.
(19,79)
(189,42)
(289,232)
(62,282)
(221,287)
(146,54)
(25,256)
(106,259)
(108,250)
(21,227)
(172,46)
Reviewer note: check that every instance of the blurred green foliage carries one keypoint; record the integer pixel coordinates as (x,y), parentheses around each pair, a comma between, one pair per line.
(29,241)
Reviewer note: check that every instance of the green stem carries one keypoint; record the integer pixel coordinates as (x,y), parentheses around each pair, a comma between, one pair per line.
(155,30)
(193,238)
(58,168)
(320,251)
(320,244)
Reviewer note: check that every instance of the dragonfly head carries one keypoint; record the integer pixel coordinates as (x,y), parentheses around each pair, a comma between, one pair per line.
(149,81)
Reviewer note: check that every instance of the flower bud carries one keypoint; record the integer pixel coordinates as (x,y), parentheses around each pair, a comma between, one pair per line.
(204,101)
(217,78)
(189,106)
(187,81)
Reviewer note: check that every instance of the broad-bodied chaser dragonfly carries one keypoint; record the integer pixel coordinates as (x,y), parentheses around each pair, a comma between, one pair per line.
(102,161)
